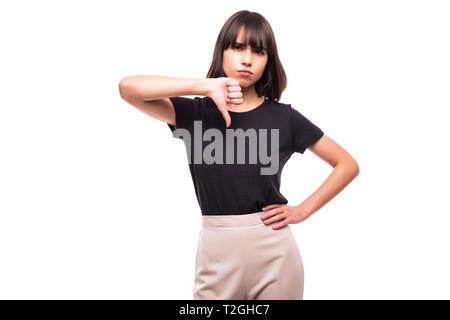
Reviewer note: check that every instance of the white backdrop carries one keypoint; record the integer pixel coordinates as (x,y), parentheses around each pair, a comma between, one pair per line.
(96,198)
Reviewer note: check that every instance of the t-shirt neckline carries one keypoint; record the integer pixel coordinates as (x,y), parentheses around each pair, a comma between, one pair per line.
(249,111)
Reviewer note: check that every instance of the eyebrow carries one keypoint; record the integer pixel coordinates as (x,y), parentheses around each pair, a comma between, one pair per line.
(243,44)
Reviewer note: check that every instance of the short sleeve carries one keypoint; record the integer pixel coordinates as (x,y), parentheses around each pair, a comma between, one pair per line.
(186,111)
(304,132)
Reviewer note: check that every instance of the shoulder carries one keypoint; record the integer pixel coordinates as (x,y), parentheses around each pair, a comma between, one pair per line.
(278,104)
(293,112)
(280,108)
(292,115)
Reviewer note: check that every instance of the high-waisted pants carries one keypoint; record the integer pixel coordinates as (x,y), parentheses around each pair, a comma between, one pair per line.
(241,258)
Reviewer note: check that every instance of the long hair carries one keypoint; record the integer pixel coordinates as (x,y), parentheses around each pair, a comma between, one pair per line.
(258,32)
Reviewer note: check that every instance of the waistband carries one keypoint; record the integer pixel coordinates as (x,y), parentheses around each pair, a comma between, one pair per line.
(239,220)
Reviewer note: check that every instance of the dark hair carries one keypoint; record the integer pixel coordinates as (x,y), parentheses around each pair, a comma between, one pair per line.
(258,32)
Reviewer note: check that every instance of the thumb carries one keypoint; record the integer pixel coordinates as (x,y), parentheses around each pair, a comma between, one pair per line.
(227,117)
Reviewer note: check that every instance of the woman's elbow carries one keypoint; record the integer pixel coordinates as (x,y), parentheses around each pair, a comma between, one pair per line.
(124,88)
(351,167)
(356,172)
(354,168)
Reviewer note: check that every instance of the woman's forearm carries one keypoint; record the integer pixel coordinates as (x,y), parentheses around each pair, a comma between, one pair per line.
(151,87)
(342,174)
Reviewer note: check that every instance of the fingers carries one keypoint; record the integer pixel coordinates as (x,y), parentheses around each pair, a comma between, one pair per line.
(273,217)
(282,220)
(272,212)
(226,116)
(234,95)
(280,225)
(269,215)
(234,88)
(235,101)
(280,217)
(232,82)
(271,206)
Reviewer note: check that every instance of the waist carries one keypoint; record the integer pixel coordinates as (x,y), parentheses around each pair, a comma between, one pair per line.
(240,220)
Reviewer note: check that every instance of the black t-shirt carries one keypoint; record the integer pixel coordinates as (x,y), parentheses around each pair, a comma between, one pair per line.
(228,182)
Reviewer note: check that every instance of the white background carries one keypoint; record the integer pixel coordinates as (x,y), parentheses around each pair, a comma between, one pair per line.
(96,198)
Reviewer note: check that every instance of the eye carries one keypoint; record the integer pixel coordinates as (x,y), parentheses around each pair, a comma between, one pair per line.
(239,46)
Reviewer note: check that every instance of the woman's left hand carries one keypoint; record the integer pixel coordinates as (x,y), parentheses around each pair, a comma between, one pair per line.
(284,213)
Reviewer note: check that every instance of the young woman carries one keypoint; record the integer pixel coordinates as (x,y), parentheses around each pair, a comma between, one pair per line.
(238,137)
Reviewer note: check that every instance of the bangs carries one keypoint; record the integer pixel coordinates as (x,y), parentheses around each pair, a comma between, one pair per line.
(254,34)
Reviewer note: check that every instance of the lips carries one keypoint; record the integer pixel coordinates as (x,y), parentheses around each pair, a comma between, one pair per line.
(245,73)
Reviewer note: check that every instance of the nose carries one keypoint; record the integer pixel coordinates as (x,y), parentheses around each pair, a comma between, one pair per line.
(247,56)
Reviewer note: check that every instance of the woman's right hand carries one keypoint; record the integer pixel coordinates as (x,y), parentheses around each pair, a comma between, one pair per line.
(222,91)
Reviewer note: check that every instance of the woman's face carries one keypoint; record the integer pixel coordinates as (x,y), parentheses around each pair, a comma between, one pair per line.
(237,58)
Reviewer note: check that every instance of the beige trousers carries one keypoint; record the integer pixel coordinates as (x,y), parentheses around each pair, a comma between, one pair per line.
(241,258)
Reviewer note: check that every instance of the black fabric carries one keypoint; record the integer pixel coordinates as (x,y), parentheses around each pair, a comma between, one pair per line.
(240,188)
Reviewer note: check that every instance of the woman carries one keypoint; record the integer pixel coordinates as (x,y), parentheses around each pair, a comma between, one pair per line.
(246,249)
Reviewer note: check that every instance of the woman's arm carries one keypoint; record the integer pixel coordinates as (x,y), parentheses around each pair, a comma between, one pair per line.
(150,93)
(345,170)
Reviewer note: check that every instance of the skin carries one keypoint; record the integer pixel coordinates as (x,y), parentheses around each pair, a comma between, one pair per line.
(237,58)
(345,168)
